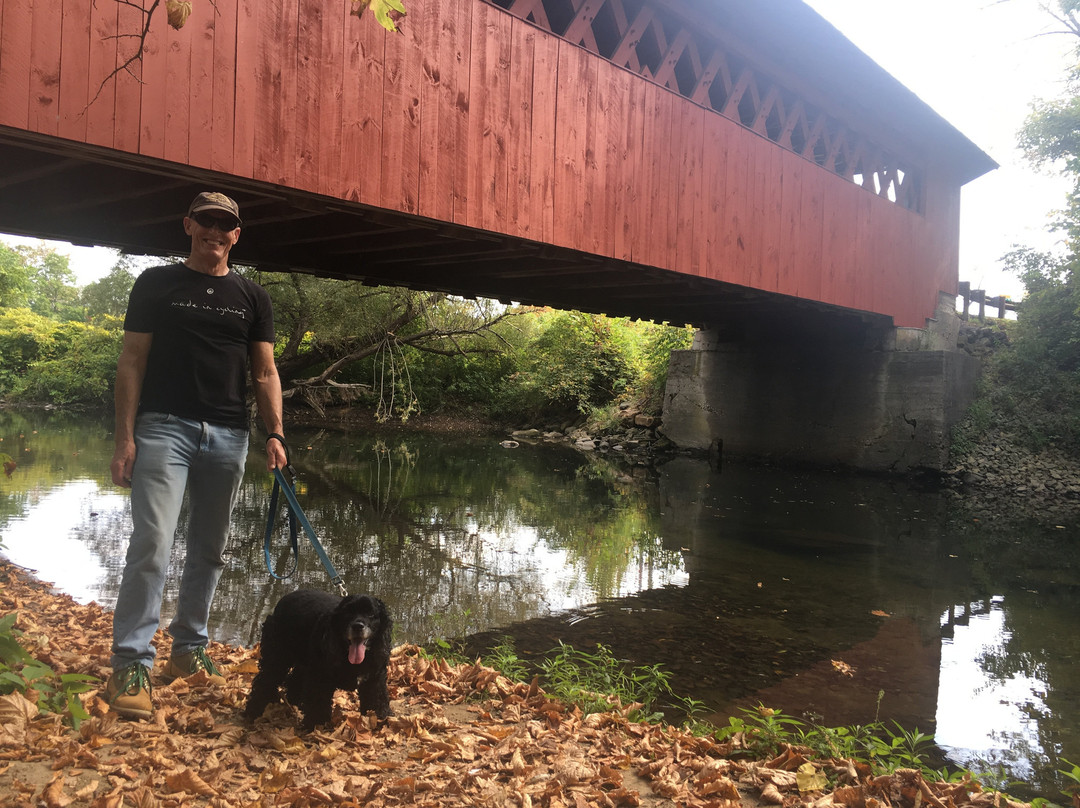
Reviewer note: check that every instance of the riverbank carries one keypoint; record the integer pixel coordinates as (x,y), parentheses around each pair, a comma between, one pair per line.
(459,735)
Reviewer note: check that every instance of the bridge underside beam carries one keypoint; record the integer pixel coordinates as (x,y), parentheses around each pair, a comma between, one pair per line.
(59,190)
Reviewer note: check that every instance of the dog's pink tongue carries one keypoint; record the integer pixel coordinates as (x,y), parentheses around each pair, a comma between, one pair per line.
(356,652)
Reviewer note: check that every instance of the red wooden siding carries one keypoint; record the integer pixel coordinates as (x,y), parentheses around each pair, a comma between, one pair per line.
(475,117)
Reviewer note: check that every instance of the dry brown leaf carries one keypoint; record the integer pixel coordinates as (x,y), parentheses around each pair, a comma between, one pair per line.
(771,794)
(16,713)
(53,795)
(189,782)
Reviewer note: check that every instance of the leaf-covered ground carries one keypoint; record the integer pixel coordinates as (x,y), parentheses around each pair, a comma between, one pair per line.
(458,736)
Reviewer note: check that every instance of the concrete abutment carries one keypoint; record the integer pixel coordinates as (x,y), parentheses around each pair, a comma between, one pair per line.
(865,394)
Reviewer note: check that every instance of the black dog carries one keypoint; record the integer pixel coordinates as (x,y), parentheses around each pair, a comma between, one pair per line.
(317,643)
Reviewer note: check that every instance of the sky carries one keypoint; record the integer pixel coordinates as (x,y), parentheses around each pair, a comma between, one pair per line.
(979,64)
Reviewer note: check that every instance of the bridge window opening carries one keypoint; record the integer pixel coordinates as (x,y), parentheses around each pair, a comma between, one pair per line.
(798,139)
(606,31)
(747,108)
(774,125)
(560,14)
(718,94)
(840,164)
(857,178)
(686,74)
(648,52)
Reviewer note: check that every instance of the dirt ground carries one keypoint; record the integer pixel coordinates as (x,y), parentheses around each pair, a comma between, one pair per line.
(458,736)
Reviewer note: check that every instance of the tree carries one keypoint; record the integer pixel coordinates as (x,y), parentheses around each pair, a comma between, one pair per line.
(341,339)
(109,295)
(40,279)
(15,277)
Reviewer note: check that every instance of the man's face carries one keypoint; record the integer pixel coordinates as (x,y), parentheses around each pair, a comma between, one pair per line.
(213,233)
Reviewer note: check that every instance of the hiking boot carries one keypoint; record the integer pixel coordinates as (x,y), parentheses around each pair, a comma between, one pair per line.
(128,691)
(185,665)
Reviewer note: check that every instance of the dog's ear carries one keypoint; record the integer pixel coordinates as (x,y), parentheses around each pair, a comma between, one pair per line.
(386,623)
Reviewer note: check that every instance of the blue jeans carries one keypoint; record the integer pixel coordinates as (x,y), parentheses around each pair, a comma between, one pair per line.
(173,454)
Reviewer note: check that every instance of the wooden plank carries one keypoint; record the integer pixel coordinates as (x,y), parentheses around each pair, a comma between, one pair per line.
(838,243)
(15,38)
(790,244)
(664,214)
(592,192)
(542,145)
(224,103)
(714,159)
(571,141)
(519,213)
(860,275)
(152,110)
(100,116)
(74,70)
(127,88)
(45,68)
(629,196)
(309,94)
(275,124)
(811,229)
(687,142)
(248,24)
(771,166)
(202,25)
(737,209)
(605,110)
(330,105)
(180,76)
(458,93)
(362,110)
(489,110)
(435,197)
(402,62)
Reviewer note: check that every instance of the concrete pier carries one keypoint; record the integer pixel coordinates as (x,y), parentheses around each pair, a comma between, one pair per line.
(864,395)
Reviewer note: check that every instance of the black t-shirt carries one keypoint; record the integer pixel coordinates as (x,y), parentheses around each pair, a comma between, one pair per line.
(203,326)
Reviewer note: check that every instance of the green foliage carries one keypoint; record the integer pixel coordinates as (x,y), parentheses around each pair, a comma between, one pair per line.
(503,658)
(20,672)
(108,297)
(69,363)
(590,681)
(575,363)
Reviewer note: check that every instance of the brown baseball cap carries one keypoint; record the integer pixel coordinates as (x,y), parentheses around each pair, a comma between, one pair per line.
(212,200)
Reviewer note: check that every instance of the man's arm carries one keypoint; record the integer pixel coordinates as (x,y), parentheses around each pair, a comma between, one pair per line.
(267,386)
(130,372)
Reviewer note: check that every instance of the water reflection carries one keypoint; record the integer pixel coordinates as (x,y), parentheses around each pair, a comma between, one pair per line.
(835,597)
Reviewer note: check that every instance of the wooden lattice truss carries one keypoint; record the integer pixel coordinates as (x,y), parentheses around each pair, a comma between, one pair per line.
(654,43)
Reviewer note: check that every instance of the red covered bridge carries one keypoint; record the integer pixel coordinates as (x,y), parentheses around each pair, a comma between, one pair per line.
(683,160)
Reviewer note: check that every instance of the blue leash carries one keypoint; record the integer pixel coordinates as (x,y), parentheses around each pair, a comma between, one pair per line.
(296,514)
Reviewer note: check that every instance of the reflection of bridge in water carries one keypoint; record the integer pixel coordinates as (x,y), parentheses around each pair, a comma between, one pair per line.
(795,581)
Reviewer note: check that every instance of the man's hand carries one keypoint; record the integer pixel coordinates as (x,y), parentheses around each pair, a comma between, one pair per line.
(275,454)
(122,463)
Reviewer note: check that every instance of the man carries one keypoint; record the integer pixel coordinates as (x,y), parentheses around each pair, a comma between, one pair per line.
(190,334)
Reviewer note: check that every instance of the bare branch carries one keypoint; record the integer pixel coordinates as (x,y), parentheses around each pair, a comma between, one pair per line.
(125,67)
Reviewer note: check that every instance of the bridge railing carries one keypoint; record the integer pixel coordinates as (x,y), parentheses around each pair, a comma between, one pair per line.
(967,297)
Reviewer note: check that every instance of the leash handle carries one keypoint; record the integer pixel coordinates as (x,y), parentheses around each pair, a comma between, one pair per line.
(294,533)
(296,514)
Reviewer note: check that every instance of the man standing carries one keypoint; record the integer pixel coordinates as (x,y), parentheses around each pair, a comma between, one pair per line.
(190,334)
